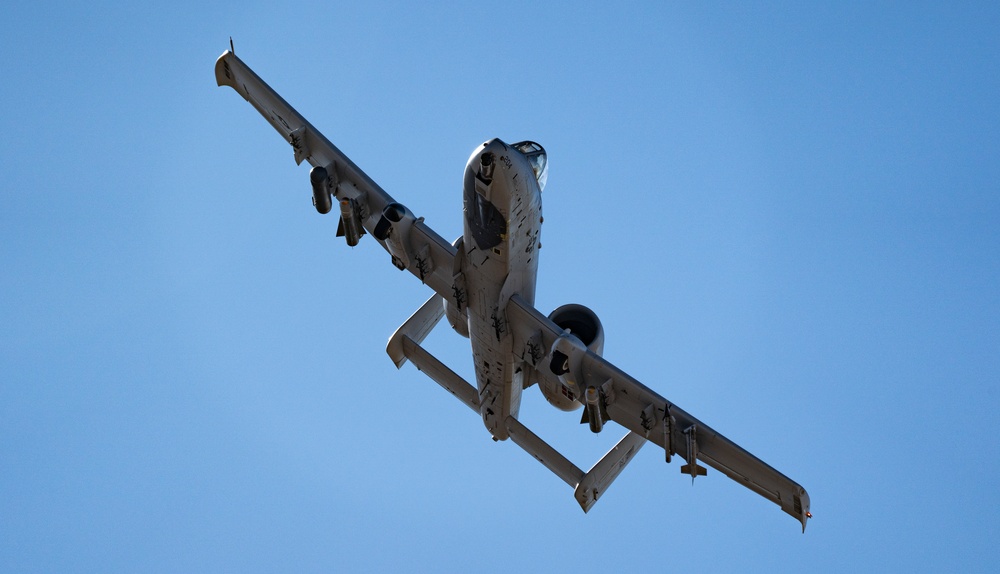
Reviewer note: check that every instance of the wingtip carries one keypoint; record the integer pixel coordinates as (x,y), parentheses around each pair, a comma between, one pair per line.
(222,73)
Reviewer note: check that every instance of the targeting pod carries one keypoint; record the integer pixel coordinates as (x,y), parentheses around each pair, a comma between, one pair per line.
(320,180)
(350,222)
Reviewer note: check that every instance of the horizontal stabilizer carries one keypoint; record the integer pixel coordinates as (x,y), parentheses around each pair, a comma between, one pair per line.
(599,478)
(544,453)
(405,344)
(417,327)
(587,486)
(441,374)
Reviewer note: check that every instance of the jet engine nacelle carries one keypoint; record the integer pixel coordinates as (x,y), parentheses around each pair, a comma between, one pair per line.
(582,332)
(394,229)
(582,323)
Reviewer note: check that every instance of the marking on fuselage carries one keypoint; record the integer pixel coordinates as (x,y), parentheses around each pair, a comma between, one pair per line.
(459,297)
(498,324)
(532,240)
(567,392)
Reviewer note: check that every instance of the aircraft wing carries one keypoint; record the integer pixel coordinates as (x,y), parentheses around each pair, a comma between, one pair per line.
(413,245)
(644,412)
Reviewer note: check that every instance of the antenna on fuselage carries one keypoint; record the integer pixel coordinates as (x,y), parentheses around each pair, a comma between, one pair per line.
(231,48)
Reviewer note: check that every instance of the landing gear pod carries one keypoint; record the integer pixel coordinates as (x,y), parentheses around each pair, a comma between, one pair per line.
(320,180)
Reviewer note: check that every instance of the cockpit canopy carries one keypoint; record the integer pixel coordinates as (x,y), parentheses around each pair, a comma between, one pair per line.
(538,160)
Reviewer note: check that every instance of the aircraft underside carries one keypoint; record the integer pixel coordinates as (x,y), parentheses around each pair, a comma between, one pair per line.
(502,222)
(485,284)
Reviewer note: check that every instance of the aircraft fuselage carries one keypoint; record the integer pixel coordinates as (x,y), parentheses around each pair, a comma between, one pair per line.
(503,218)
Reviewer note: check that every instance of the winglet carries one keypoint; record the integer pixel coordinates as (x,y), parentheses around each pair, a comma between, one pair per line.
(800,506)
(223,72)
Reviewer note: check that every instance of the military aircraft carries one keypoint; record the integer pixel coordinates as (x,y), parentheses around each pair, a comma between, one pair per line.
(484,283)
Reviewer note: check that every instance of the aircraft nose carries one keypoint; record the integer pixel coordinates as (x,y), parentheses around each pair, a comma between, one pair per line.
(494,145)
(485,158)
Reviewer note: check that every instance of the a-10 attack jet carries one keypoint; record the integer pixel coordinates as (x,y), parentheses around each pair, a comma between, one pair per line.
(485,283)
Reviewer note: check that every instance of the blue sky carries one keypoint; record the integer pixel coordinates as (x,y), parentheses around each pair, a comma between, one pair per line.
(787,217)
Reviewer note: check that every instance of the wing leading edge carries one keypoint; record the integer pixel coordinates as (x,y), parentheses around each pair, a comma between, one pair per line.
(644,412)
(413,245)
